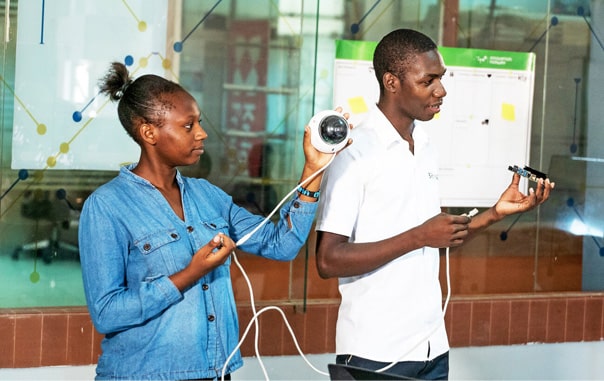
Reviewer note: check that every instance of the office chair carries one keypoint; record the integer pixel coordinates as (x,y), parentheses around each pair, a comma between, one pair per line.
(37,205)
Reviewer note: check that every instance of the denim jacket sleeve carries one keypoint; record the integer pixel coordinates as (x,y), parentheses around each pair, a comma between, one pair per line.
(114,304)
(279,240)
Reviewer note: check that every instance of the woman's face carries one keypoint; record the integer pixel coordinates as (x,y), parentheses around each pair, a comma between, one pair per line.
(180,138)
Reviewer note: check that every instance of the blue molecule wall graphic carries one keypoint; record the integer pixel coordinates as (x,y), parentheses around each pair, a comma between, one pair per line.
(553,22)
(355,27)
(581,12)
(60,122)
(56,126)
(178,46)
(23,175)
(573,145)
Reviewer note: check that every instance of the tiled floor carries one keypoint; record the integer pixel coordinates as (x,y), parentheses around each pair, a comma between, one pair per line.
(566,361)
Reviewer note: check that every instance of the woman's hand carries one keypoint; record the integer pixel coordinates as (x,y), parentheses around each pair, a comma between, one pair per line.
(206,259)
(212,254)
(316,159)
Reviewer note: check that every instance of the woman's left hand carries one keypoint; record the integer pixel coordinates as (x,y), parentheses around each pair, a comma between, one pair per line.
(316,159)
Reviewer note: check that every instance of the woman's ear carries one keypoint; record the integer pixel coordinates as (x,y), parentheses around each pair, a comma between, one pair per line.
(147,133)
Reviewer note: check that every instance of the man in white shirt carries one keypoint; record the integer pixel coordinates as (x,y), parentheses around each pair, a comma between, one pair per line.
(380,225)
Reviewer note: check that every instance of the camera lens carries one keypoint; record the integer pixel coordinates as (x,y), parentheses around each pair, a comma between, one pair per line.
(333,129)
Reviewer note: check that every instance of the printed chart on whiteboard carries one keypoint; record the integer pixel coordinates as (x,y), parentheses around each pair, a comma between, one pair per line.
(484,123)
(60,119)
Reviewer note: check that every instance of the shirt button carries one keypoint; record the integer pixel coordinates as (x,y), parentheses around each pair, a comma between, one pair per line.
(296,204)
(147,247)
(211,318)
(174,235)
(204,287)
(190,229)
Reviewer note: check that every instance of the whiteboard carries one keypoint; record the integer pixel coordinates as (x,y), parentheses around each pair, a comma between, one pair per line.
(484,123)
(60,120)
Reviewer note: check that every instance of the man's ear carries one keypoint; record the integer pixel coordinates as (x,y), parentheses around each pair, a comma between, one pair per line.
(147,133)
(390,82)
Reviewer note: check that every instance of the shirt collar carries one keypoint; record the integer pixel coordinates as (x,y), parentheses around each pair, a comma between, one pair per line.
(126,171)
(389,136)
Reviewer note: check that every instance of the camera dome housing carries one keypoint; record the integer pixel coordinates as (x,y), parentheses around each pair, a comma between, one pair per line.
(329,131)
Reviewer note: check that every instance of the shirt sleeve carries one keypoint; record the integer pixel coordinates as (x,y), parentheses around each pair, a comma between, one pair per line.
(276,240)
(114,304)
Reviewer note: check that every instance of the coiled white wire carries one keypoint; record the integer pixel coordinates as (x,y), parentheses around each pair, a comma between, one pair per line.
(470,214)
(256,314)
(436,327)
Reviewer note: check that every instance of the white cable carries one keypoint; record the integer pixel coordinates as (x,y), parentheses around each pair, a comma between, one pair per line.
(436,327)
(470,214)
(243,239)
(254,320)
(256,338)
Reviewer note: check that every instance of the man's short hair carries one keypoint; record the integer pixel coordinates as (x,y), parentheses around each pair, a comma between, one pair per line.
(396,50)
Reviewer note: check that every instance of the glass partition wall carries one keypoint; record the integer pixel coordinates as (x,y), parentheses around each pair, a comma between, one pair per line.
(259,71)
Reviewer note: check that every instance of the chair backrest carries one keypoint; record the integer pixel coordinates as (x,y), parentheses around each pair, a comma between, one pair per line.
(37,205)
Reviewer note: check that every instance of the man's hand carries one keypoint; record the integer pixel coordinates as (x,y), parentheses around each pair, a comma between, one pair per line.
(513,201)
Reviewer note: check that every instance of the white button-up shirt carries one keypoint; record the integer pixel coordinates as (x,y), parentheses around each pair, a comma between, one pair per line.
(373,190)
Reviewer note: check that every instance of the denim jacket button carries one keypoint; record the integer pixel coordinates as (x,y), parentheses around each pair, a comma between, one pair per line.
(147,247)
(174,235)
(211,317)
(190,229)
(296,204)
(204,287)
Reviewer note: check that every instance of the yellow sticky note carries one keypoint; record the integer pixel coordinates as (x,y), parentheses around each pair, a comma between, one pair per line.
(357,105)
(508,112)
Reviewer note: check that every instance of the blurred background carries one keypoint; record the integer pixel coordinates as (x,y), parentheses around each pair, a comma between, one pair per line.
(260,70)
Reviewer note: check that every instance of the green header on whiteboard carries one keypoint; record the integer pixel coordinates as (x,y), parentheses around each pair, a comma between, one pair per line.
(488,59)
(355,50)
(478,58)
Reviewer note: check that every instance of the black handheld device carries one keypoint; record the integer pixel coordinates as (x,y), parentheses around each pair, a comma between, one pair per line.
(528,172)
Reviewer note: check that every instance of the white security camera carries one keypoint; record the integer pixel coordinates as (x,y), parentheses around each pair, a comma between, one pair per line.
(329,131)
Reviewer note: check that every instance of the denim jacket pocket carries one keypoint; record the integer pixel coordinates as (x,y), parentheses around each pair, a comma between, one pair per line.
(217,225)
(158,251)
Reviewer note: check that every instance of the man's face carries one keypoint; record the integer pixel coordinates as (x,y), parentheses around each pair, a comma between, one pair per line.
(421,90)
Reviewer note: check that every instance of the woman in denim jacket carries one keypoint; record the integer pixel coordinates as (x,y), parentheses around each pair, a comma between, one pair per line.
(155,244)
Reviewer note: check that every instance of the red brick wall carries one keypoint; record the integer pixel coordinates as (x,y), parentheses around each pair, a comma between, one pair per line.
(493,303)
(65,336)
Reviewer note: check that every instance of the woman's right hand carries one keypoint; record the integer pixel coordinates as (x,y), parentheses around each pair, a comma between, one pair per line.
(206,259)
(212,254)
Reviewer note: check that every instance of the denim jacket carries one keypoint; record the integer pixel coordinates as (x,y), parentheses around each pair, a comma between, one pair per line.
(131,241)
